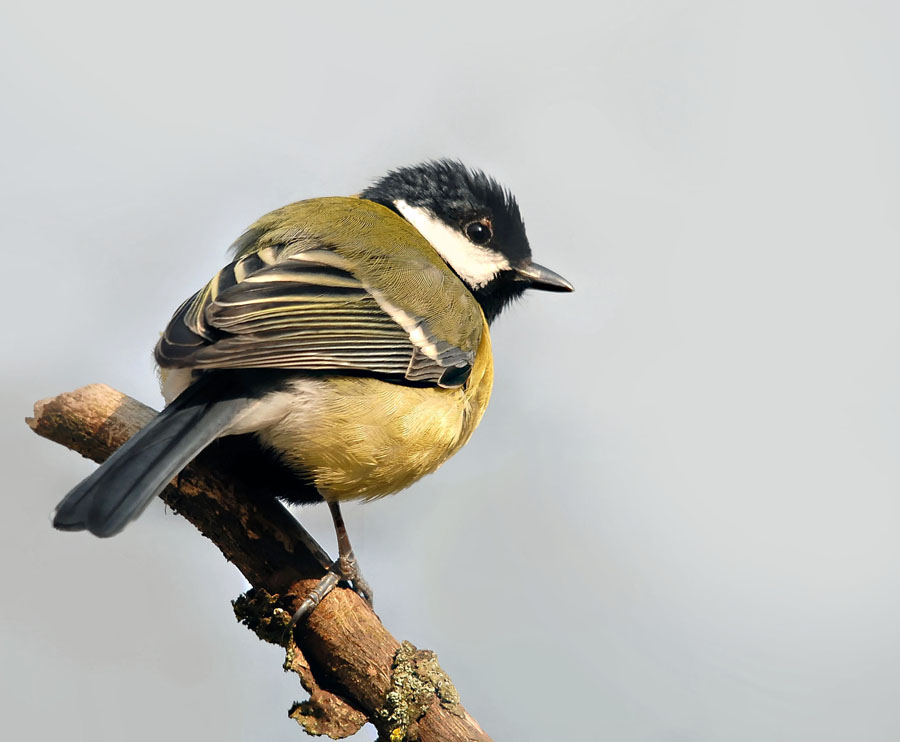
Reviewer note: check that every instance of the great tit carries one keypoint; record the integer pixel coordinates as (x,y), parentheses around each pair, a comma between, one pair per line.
(348,338)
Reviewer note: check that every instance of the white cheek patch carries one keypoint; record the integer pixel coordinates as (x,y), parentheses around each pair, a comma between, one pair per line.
(475,265)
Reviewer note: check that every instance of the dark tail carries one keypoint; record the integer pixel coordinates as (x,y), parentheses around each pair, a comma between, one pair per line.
(127,481)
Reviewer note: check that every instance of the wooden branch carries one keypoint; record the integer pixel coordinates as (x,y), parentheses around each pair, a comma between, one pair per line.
(354,670)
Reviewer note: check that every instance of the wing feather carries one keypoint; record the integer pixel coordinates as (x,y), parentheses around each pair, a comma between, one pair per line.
(305,310)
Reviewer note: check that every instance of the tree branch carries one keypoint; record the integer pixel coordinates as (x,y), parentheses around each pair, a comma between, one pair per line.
(354,670)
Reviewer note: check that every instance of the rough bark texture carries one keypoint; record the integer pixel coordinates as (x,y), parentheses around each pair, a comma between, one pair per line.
(354,670)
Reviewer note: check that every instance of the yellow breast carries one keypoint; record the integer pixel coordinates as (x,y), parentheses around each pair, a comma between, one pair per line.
(366,438)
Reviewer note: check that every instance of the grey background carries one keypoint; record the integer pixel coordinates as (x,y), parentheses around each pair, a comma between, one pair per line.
(678,521)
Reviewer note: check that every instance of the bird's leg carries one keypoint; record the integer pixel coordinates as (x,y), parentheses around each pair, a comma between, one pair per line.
(349,567)
(345,567)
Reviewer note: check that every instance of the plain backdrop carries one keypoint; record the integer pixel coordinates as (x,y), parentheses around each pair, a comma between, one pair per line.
(678,521)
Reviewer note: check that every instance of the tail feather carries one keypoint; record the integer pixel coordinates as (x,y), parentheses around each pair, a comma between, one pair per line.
(124,485)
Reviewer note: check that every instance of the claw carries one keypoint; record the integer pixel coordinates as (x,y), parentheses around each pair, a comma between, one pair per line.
(349,571)
(345,568)
(322,588)
(362,589)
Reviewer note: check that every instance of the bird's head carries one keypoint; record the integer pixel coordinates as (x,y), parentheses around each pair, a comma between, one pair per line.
(473,223)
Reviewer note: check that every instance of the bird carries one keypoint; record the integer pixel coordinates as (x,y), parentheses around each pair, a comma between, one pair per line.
(348,340)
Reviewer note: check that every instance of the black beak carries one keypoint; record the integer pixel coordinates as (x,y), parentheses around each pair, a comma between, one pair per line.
(542,278)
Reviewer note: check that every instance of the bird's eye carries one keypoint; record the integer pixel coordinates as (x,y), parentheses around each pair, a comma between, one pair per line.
(479,232)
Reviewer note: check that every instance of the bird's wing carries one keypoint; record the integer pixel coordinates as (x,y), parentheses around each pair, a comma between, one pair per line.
(307,309)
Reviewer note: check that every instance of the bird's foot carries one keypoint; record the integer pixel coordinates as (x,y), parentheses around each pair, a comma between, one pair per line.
(349,571)
(343,569)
